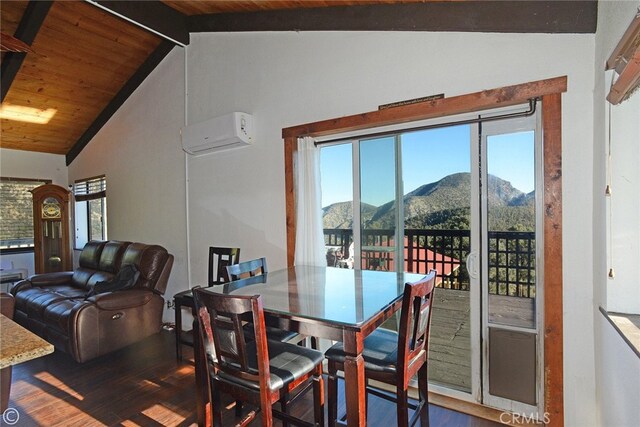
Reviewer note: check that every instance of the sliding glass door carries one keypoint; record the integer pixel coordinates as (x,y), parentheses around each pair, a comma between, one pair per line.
(440,233)
(512,342)
(380,203)
(460,199)
(413,198)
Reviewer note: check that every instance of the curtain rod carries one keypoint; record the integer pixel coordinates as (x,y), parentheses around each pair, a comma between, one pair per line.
(531,111)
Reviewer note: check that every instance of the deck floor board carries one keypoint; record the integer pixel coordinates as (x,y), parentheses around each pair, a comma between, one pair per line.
(450,335)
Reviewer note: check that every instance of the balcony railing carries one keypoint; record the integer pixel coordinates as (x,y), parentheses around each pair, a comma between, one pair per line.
(511,255)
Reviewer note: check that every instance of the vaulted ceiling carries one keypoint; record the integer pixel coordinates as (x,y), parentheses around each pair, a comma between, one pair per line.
(87,57)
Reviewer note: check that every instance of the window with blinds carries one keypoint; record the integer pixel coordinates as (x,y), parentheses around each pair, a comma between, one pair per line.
(90,210)
(91,188)
(16,213)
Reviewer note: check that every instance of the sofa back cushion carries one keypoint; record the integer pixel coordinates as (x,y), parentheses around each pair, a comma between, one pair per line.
(88,264)
(150,260)
(111,256)
(90,255)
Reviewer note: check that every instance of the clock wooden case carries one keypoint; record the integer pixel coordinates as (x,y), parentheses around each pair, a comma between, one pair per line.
(51,228)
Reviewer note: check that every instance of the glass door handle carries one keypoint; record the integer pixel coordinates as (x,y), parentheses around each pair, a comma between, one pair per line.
(472,264)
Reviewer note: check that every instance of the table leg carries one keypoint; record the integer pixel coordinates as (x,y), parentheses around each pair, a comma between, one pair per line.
(355,382)
(178,328)
(203,406)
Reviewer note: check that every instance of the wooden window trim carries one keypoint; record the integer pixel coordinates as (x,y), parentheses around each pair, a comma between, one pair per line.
(549,91)
(625,61)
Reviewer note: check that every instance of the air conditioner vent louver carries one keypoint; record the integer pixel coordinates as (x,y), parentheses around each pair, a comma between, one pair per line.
(223,132)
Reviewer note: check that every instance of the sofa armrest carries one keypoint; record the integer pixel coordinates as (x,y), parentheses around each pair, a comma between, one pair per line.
(41,280)
(122,299)
(50,279)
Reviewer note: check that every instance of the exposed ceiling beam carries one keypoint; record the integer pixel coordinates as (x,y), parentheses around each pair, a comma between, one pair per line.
(129,87)
(30,24)
(472,16)
(153,16)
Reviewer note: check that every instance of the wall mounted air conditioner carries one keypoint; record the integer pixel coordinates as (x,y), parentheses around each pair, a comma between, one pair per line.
(228,131)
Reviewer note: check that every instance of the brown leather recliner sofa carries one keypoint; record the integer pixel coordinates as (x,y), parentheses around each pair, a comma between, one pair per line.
(56,307)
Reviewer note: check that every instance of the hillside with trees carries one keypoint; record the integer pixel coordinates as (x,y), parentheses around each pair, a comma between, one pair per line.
(444,204)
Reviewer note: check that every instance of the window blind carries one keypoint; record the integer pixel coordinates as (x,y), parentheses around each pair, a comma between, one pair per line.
(90,189)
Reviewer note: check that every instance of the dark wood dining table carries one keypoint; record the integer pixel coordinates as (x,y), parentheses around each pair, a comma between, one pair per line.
(333,303)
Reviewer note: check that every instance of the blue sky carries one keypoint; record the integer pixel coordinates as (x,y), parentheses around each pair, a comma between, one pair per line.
(427,156)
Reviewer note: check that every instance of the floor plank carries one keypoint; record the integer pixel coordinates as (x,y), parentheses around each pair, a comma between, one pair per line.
(143,385)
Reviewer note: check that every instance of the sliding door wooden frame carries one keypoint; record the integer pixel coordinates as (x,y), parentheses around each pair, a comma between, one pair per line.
(549,91)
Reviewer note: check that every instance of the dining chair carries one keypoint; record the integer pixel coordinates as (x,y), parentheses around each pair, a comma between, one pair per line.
(259,371)
(252,268)
(219,259)
(394,357)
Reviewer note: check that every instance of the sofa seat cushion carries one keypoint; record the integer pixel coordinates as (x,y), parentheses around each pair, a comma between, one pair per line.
(58,313)
(34,301)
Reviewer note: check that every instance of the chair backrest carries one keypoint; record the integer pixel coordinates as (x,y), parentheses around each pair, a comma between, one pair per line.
(245,269)
(219,259)
(415,319)
(221,318)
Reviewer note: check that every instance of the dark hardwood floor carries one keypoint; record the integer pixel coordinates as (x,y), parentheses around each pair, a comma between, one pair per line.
(144,385)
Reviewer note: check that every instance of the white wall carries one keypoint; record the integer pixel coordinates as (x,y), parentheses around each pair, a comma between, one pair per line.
(623,291)
(619,384)
(28,164)
(237,197)
(617,367)
(618,245)
(139,151)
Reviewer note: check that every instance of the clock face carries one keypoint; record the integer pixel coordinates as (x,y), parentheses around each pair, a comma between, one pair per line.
(51,210)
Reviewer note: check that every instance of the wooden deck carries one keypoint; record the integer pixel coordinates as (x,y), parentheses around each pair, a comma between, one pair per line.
(450,336)
(450,340)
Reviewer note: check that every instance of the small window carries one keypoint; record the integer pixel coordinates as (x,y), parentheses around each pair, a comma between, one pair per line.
(16,213)
(90,210)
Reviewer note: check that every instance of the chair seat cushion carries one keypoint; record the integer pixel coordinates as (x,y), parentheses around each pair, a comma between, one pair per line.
(287,363)
(380,352)
(274,334)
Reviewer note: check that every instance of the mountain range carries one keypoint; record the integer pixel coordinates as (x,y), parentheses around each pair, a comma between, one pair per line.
(444,204)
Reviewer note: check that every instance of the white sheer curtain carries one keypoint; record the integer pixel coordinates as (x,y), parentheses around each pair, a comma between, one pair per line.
(310,248)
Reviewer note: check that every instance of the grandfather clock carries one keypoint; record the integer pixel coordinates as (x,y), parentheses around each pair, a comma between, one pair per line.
(51,220)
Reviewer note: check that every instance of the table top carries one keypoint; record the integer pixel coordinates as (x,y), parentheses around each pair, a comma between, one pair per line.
(336,295)
(18,345)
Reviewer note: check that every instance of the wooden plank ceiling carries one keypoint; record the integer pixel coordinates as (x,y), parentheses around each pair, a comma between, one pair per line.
(83,56)
(86,60)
